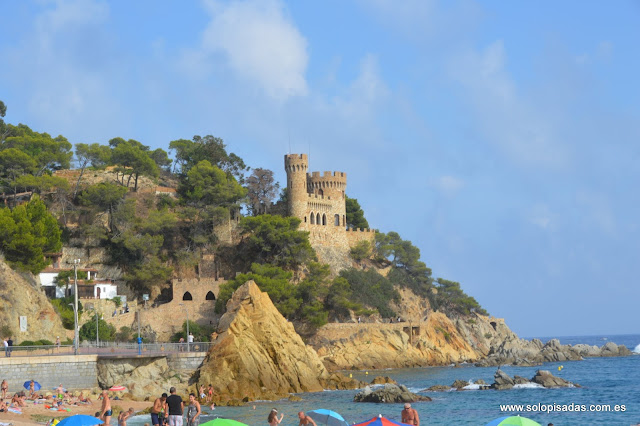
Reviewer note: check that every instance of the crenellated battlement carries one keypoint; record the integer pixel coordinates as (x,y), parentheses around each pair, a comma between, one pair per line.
(294,163)
(362,230)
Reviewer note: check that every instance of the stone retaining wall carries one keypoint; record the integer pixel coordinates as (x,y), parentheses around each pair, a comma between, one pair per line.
(74,372)
(186,361)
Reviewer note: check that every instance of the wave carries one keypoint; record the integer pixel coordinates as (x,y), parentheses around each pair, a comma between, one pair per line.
(528,386)
(636,349)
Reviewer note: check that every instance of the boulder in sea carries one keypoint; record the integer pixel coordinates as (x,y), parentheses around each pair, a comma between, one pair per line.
(519,380)
(502,380)
(548,380)
(611,349)
(437,388)
(389,393)
(381,380)
(259,355)
(459,384)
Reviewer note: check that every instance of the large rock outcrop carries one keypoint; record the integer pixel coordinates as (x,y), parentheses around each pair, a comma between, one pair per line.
(258,355)
(523,352)
(435,341)
(20,296)
(142,377)
(389,393)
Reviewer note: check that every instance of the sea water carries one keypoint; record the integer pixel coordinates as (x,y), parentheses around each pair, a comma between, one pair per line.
(605,382)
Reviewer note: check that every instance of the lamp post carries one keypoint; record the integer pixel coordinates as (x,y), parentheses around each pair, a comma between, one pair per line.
(97,331)
(76,334)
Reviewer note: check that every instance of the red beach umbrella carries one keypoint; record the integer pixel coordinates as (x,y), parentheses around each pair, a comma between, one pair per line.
(381,421)
(117,388)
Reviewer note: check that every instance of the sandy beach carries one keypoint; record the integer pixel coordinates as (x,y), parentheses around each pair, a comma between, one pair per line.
(32,410)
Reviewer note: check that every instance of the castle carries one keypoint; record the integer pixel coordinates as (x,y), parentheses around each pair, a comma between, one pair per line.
(319,202)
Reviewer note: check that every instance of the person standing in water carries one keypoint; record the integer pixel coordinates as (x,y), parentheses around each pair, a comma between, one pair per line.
(273,419)
(193,411)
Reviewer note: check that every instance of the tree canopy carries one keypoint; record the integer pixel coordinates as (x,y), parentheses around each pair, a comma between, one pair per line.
(355,214)
(28,232)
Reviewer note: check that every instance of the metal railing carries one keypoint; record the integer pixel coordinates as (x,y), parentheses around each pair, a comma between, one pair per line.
(109,349)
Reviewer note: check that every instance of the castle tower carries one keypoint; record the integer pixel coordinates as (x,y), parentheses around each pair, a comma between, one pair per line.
(296,167)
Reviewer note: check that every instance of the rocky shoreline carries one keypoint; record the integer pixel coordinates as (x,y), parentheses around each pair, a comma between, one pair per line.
(529,353)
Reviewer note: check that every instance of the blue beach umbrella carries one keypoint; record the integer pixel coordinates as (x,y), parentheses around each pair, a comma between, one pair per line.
(512,421)
(80,420)
(327,417)
(36,385)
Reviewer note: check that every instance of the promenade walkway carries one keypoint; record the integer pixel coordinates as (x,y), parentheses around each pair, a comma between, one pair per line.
(107,349)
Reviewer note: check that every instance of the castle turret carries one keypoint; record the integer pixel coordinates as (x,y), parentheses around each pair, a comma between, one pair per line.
(296,167)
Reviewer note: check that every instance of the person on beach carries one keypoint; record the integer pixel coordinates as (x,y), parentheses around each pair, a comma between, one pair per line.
(410,415)
(9,346)
(3,406)
(158,410)
(58,342)
(6,347)
(176,407)
(305,420)
(105,413)
(202,394)
(32,389)
(210,393)
(123,416)
(273,419)
(4,388)
(193,411)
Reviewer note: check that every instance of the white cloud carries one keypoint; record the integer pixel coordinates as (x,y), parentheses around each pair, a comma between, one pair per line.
(259,42)
(365,92)
(519,129)
(541,216)
(448,185)
(61,66)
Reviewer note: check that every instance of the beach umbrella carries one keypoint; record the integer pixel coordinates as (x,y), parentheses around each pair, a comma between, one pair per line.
(223,422)
(327,417)
(380,421)
(117,388)
(80,420)
(36,385)
(512,421)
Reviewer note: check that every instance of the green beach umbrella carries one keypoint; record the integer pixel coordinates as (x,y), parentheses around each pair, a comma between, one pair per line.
(512,421)
(223,422)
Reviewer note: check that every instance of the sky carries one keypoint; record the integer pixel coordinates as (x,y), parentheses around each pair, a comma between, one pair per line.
(501,138)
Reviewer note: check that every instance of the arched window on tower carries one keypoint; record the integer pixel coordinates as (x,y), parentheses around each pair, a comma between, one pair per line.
(305,219)
(187,296)
(313,219)
(320,192)
(210,296)
(324,219)
(337,220)
(318,218)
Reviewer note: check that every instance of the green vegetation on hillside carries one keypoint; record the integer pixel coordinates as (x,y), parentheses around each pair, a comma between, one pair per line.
(110,200)
(28,232)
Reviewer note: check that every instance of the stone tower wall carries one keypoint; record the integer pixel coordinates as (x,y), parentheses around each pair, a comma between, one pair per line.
(296,166)
(318,200)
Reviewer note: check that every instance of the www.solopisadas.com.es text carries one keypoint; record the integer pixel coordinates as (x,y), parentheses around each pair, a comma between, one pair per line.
(559,408)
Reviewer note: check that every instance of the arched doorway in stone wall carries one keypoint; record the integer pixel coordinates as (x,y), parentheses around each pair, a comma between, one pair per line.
(210,296)
(187,296)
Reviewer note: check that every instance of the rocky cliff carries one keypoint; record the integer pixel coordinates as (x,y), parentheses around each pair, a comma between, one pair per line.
(258,355)
(20,296)
(435,341)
